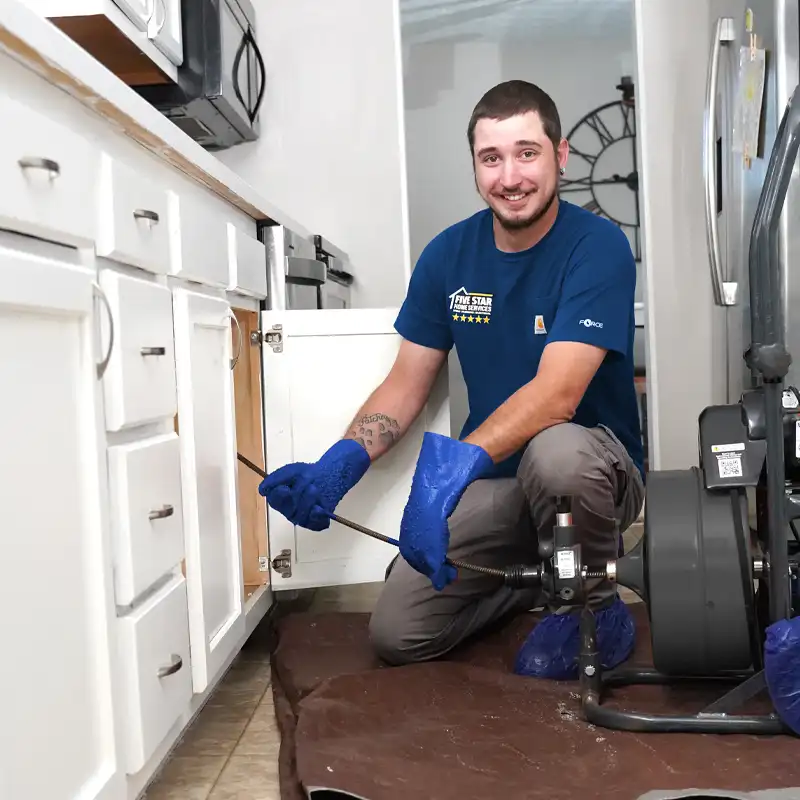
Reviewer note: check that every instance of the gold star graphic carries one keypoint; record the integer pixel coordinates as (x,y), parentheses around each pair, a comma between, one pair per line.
(471,319)
(486,320)
(463,318)
(455,317)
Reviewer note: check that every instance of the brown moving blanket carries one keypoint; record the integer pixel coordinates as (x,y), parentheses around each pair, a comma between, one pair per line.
(467,727)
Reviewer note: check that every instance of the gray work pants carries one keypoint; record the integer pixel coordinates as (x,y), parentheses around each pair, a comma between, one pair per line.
(495,525)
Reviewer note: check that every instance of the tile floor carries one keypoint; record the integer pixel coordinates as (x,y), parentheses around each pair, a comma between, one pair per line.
(231,749)
(230,752)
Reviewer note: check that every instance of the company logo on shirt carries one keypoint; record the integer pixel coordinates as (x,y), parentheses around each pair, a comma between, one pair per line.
(471,307)
(538,324)
(590,323)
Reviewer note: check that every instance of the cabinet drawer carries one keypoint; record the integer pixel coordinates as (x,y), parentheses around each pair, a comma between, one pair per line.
(133,221)
(199,240)
(48,174)
(156,671)
(139,383)
(145,486)
(248,264)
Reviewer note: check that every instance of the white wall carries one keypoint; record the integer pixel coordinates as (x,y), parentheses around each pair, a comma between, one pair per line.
(445,78)
(331,148)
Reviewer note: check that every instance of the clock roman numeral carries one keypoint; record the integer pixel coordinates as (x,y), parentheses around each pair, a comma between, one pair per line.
(601,129)
(577,185)
(629,121)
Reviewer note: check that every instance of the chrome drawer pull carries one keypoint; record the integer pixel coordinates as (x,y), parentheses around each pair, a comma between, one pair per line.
(103,365)
(153,351)
(177,663)
(235,359)
(143,213)
(163,513)
(32,162)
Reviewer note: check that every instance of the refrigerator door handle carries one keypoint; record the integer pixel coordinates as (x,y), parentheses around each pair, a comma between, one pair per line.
(724,292)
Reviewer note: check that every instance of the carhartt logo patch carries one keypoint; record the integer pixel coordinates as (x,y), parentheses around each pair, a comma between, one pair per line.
(474,307)
(538,324)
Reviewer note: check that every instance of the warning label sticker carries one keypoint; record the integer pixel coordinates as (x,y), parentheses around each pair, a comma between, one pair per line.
(727,448)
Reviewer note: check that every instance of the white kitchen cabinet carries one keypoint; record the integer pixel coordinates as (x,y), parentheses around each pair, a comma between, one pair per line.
(58,670)
(139,386)
(138,40)
(247,264)
(165,28)
(199,239)
(133,218)
(154,653)
(48,174)
(145,490)
(138,11)
(319,368)
(207,434)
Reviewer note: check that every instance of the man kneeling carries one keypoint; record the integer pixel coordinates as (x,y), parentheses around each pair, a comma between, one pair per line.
(537,297)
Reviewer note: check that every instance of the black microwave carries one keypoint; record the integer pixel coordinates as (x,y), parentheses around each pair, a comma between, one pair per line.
(220,86)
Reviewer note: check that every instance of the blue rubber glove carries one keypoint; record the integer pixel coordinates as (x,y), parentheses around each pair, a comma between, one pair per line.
(307,494)
(782,669)
(553,646)
(445,468)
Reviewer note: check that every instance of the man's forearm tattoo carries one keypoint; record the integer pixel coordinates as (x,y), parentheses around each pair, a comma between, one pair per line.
(375,429)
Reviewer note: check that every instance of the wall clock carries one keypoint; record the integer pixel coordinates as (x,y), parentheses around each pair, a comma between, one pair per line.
(602,172)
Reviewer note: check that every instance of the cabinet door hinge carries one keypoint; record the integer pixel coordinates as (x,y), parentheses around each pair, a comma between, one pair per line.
(282,564)
(273,337)
(263,563)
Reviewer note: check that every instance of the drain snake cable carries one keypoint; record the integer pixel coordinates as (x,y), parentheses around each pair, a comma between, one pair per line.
(516,576)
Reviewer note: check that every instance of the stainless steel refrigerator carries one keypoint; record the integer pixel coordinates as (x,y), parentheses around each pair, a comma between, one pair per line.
(732,189)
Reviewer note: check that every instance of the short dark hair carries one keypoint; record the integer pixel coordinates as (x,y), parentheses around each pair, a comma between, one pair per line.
(516,97)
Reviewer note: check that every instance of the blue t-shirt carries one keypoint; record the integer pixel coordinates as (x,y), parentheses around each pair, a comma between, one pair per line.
(500,309)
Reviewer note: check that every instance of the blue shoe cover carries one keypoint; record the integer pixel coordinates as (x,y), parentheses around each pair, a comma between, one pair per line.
(782,669)
(553,646)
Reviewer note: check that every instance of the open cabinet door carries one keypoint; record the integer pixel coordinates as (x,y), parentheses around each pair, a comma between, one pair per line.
(207,436)
(319,368)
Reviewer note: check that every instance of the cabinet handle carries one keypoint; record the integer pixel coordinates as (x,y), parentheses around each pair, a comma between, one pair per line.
(33,162)
(103,365)
(175,665)
(235,361)
(144,213)
(153,351)
(164,19)
(162,513)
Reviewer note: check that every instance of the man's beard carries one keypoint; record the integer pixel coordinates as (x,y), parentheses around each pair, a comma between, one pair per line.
(521,223)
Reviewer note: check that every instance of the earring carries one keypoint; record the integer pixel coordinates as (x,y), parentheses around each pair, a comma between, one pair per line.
(563,170)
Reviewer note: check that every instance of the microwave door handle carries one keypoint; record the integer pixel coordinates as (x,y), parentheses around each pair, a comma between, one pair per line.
(236,64)
(724,293)
(263,81)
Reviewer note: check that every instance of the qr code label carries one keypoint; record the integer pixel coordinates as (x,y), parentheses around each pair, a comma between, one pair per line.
(730,467)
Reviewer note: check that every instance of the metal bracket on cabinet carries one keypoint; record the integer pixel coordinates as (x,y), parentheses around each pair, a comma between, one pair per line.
(282,564)
(263,563)
(273,337)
